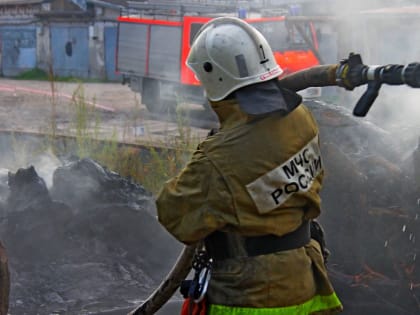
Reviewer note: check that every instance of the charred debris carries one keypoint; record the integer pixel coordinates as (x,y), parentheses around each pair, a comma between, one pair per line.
(91,242)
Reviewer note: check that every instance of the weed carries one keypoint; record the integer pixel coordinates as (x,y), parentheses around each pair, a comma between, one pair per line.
(41,75)
(150,165)
(53,120)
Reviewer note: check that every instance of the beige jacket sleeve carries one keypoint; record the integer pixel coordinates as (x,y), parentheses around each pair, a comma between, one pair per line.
(196,202)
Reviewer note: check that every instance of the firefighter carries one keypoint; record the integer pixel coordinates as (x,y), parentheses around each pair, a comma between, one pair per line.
(251,190)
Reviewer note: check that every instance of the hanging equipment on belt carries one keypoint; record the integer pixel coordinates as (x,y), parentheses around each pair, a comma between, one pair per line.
(194,291)
(197,287)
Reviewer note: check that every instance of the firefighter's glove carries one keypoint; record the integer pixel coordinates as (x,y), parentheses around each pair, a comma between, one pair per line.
(351,72)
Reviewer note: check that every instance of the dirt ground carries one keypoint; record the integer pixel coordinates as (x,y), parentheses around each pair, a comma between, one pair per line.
(38,106)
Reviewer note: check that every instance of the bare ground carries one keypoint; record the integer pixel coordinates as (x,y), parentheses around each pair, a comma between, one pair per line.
(42,106)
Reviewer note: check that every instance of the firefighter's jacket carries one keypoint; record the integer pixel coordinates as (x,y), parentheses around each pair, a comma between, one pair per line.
(256,176)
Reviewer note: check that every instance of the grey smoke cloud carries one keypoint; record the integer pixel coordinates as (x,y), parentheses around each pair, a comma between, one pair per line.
(383,32)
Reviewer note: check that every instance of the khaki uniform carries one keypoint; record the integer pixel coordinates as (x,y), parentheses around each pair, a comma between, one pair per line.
(229,185)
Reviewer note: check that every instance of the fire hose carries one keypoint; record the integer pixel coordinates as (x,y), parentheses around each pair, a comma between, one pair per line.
(4,281)
(168,286)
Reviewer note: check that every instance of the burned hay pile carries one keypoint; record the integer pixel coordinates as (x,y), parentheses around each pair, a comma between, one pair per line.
(371,215)
(90,243)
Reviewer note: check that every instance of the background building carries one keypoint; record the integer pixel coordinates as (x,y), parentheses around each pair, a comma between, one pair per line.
(68,37)
(78,37)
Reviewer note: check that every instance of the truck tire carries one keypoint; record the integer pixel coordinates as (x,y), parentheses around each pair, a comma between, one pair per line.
(151,97)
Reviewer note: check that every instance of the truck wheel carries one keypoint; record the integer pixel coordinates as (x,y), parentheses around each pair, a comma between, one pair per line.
(151,97)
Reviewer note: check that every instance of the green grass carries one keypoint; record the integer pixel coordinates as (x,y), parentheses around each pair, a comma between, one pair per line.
(33,74)
(41,75)
(150,166)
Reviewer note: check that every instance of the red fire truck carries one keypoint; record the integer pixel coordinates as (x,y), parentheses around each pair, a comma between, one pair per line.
(154,41)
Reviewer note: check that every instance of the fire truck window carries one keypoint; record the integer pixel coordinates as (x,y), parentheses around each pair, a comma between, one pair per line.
(195,27)
(296,39)
(276,34)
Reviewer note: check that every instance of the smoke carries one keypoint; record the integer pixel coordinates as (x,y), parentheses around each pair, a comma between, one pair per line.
(45,164)
(398,110)
(4,188)
(383,33)
(18,152)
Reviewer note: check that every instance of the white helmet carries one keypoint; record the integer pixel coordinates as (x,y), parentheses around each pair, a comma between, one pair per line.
(228,54)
